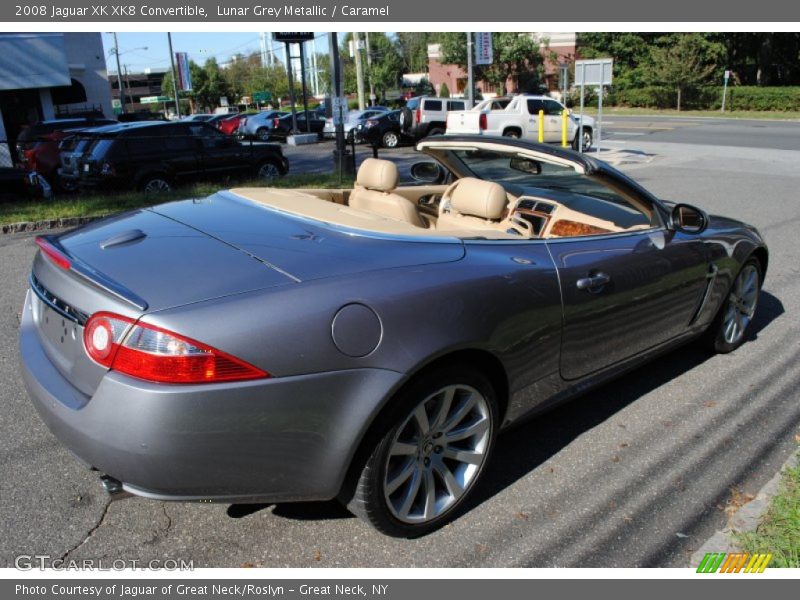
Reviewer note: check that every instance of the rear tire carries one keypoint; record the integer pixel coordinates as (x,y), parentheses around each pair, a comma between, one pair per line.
(587,140)
(268,171)
(156,183)
(729,328)
(436,131)
(512,133)
(431,454)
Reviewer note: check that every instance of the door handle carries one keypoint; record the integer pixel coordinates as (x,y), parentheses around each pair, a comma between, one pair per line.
(593,282)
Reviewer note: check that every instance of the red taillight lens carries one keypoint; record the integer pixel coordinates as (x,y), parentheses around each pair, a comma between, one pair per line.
(482,121)
(53,253)
(419,116)
(154,354)
(29,159)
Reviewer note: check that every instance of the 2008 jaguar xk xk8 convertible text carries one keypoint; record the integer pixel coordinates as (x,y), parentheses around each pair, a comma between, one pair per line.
(368,343)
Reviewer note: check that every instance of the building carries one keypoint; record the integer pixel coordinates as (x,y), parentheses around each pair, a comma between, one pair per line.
(147,84)
(555,48)
(47,76)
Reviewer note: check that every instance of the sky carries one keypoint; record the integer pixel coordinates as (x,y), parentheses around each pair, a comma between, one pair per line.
(200,47)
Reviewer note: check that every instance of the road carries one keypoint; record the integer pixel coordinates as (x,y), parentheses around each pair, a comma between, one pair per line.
(711,131)
(637,473)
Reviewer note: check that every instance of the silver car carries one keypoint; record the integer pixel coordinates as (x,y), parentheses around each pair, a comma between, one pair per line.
(259,126)
(353,119)
(367,344)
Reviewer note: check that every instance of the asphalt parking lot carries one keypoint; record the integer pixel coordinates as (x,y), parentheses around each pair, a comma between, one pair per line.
(637,473)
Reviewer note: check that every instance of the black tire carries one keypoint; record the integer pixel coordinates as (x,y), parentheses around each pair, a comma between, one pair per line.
(512,133)
(587,135)
(406,118)
(155,183)
(715,336)
(262,134)
(390,139)
(268,170)
(369,500)
(436,131)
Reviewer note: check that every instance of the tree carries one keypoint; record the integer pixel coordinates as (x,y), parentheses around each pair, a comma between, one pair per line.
(516,55)
(386,66)
(444,91)
(413,49)
(684,63)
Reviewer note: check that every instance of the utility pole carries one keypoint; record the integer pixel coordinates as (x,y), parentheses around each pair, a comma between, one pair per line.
(119,76)
(470,82)
(372,97)
(336,93)
(359,71)
(303,81)
(174,77)
(291,86)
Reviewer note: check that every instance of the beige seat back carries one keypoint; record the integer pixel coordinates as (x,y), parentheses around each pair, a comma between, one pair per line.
(375,182)
(472,203)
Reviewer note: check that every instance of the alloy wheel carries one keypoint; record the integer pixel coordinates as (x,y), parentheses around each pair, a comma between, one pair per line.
(157,186)
(268,171)
(437,454)
(741,304)
(390,139)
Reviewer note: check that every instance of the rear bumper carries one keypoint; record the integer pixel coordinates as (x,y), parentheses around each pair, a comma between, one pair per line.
(271,440)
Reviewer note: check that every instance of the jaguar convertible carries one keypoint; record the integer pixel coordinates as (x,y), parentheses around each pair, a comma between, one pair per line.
(367,344)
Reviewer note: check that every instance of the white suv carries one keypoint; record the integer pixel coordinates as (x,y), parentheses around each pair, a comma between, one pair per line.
(424,115)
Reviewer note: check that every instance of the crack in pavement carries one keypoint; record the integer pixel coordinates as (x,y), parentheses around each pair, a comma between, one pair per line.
(165,531)
(91,532)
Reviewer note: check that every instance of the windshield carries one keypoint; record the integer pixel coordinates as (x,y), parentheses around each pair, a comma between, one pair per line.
(561,183)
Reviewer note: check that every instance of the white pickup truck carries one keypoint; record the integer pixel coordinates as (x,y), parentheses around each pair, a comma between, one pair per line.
(520,119)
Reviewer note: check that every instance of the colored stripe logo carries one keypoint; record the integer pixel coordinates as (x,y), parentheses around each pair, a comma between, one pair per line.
(721,562)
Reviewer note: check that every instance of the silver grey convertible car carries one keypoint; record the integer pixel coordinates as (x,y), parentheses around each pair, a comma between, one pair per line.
(367,344)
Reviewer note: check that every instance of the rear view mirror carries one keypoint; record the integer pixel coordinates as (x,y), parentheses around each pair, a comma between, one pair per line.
(427,172)
(688,219)
(526,165)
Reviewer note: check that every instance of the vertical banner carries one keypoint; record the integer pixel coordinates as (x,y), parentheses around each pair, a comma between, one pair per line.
(483,49)
(184,74)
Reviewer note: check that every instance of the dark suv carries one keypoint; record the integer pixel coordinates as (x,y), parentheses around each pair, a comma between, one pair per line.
(153,156)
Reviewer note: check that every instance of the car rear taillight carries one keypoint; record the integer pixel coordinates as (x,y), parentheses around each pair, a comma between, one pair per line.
(53,253)
(29,159)
(482,122)
(419,116)
(148,352)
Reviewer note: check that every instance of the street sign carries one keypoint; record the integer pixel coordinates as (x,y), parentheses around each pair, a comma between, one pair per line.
(260,97)
(223,101)
(727,75)
(293,37)
(483,49)
(595,71)
(154,99)
(340,108)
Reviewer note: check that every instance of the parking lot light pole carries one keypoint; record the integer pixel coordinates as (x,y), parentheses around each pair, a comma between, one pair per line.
(174,77)
(336,92)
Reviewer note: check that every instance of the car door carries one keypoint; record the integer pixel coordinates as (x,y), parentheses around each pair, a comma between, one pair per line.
(552,121)
(181,152)
(220,154)
(534,106)
(625,293)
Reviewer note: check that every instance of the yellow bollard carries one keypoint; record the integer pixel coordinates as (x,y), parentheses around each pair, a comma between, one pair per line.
(564,121)
(541,126)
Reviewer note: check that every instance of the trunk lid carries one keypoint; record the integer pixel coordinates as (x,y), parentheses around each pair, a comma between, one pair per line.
(303,248)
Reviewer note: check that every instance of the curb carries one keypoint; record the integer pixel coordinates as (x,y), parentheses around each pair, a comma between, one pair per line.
(28,226)
(747,518)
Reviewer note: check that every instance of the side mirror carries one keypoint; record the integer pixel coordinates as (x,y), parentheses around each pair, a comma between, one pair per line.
(427,172)
(688,219)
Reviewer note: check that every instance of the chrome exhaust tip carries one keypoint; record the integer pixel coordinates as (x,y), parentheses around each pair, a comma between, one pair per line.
(114,488)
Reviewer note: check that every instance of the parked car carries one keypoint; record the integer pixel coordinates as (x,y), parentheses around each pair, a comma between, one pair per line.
(367,344)
(71,150)
(309,122)
(520,119)
(20,184)
(382,130)
(156,156)
(199,117)
(423,116)
(352,120)
(37,145)
(231,124)
(259,126)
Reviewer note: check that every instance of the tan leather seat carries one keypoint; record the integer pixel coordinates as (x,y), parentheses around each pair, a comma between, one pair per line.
(375,182)
(472,203)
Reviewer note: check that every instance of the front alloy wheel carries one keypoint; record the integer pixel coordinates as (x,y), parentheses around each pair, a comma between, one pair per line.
(156,185)
(268,171)
(729,329)
(390,139)
(429,462)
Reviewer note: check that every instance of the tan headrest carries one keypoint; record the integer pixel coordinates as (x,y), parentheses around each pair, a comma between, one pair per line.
(484,199)
(377,174)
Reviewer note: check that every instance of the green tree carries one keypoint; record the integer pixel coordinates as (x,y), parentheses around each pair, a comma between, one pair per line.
(682,65)
(516,55)
(413,49)
(444,91)
(385,67)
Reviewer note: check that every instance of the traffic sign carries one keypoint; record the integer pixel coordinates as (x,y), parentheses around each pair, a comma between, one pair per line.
(260,97)
(293,37)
